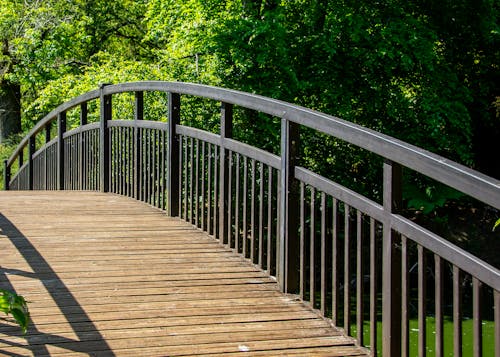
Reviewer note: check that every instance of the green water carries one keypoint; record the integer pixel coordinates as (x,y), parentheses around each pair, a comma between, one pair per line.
(467,337)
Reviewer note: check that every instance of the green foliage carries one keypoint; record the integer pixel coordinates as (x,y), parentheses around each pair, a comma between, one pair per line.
(427,197)
(11,303)
(426,73)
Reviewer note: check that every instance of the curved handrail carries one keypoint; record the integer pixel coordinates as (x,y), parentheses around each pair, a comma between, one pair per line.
(464,179)
(50,117)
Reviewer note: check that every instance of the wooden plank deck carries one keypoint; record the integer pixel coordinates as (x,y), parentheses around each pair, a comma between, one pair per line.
(109,276)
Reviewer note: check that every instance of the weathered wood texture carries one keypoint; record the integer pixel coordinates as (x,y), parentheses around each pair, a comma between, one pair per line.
(109,276)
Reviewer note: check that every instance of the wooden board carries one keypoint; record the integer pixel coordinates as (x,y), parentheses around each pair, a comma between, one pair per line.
(106,275)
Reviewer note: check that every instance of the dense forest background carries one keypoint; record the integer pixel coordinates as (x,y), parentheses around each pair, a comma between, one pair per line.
(426,72)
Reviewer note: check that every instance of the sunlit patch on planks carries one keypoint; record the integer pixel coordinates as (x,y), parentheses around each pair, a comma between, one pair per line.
(109,276)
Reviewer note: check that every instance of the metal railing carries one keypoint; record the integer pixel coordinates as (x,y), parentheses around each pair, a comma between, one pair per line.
(346,255)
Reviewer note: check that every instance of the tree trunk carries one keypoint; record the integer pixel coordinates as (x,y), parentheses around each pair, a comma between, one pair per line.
(10,110)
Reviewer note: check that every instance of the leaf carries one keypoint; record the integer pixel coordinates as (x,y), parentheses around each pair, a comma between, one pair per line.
(497,223)
(11,303)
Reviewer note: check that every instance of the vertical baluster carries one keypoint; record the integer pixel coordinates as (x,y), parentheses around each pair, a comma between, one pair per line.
(149,150)
(118,159)
(215,186)
(334,262)
(209,190)
(113,159)
(158,168)
(244,212)
(147,165)
(496,298)
(373,289)
(127,160)
(197,184)
(438,298)
(164,169)
(269,217)
(237,205)
(312,236)
(261,214)
(132,149)
(477,317)
(347,273)
(123,159)
(230,201)
(191,166)
(359,280)
(457,312)
(180,180)
(96,154)
(279,207)
(252,212)
(154,167)
(203,203)
(405,286)
(323,253)
(185,178)
(422,332)
(302,239)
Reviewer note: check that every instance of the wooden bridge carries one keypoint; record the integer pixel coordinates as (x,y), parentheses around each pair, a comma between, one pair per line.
(134,236)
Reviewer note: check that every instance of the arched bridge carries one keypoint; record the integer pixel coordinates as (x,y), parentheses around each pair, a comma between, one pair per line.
(257,253)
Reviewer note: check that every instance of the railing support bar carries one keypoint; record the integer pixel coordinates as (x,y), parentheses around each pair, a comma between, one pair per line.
(104,156)
(61,129)
(391,265)
(226,131)
(174,110)
(289,244)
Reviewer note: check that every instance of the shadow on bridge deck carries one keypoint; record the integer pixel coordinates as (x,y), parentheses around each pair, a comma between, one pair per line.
(109,276)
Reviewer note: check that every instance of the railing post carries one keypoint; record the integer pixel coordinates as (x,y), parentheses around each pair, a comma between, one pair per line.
(289,250)
(104,156)
(31,153)
(391,265)
(61,129)
(226,131)
(20,158)
(46,162)
(6,175)
(174,110)
(81,156)
(138,115)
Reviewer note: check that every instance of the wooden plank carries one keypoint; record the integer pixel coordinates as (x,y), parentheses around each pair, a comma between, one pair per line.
(108,275)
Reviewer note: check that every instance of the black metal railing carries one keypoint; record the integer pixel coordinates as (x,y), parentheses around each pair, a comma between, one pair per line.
(353,259)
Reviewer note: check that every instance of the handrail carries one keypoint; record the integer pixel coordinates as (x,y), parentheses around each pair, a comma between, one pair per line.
(50,117)
(268,208)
